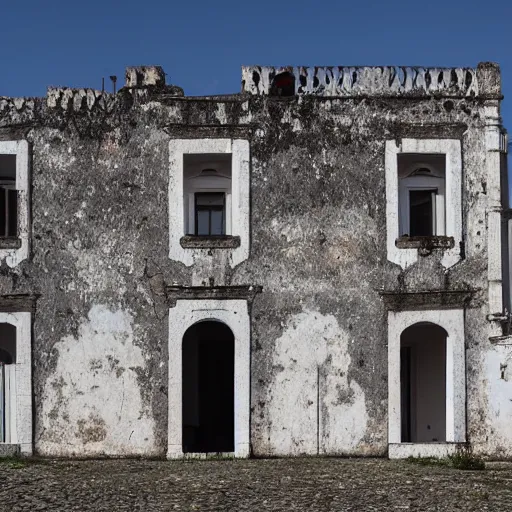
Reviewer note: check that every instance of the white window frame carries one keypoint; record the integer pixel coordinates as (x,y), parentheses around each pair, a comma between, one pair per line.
(234,313)
(451,148)
(20,400)
(20,148)
(452,321)
(239,198)
(422,183)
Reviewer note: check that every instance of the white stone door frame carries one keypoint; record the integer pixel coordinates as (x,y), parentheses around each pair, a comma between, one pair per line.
(21,403)
(452,321)
(235,314)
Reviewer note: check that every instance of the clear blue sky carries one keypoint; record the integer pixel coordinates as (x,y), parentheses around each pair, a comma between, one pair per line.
(202,44)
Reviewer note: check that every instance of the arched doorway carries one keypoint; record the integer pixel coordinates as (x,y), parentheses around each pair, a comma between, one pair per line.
(7,382)
(423,383)
(208,390)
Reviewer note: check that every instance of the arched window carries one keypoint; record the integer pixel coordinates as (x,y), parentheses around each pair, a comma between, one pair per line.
(421,195)
(208,388)
(283,84)
(423,383)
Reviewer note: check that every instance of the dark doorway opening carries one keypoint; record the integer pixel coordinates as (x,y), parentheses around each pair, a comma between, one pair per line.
(208,388)
(423,383)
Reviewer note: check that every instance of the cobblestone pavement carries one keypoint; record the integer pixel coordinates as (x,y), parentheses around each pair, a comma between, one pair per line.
(259,485)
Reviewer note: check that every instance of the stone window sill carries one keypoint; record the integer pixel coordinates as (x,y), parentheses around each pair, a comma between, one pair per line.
(210,242)
(10,243)
(427,243)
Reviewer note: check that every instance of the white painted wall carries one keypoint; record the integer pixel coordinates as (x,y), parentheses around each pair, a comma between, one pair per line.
(492,382)
(235,315)
(493,146)
(313,407)
(91,404)
(497,391)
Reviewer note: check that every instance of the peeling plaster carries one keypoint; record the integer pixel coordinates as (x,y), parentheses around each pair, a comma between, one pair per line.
(313,406)
(93,405)
(498,388)
(314,211)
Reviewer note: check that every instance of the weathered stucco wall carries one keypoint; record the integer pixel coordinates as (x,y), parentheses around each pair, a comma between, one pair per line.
(100,262)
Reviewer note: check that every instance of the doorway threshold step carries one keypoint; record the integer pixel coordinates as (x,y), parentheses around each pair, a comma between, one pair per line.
(436,450)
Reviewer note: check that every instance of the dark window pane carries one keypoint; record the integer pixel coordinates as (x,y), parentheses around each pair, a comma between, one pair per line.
(210,199)
(421,215)
(217,222)
(210,207)
(8,167)
(203,222)
(13,212)
(3,210)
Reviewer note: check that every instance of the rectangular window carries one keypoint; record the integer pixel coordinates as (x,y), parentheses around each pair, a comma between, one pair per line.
(210,213)
(8,210)
(8,197)
(415,168)
(207,194)
(421,191)
(203,166)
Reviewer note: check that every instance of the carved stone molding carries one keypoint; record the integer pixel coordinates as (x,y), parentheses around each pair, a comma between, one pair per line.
(428,299)
(18,302)
(241,292)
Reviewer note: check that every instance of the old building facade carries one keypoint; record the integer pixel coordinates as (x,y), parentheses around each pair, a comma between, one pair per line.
(315,266)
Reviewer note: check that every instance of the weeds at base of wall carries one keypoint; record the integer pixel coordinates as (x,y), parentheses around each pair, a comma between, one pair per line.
(13,462)
(209,457)
(18,462)
(466,461)
(461,460)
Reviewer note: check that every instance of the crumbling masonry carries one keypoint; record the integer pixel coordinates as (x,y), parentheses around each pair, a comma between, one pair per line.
(317,265)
